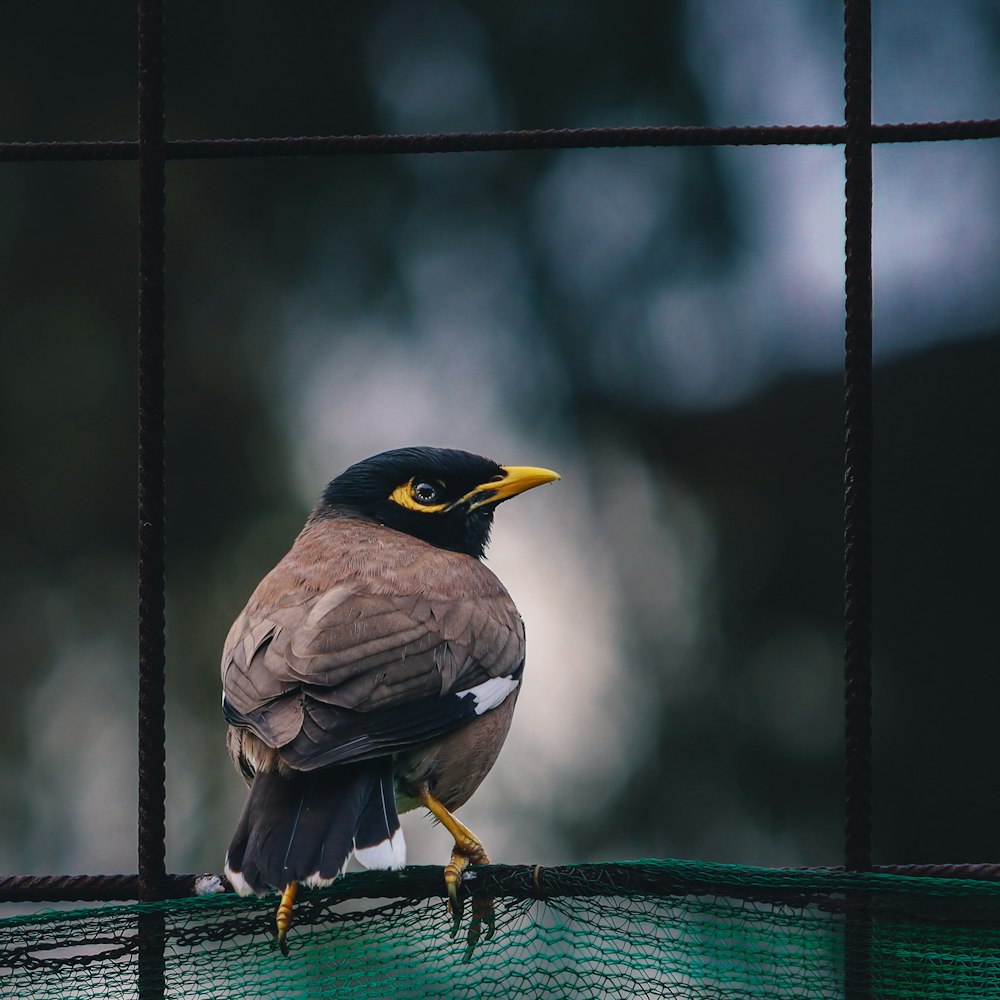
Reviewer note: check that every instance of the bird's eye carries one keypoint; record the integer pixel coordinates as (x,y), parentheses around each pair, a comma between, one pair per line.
(424,492)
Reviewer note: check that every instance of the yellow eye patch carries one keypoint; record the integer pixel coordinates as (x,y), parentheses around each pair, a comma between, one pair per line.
(409,496)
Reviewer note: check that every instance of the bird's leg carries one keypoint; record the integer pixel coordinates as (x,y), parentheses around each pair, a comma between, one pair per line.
(283,919)
(468,850)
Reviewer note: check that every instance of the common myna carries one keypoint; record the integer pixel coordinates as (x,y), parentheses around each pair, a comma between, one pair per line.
(373,670)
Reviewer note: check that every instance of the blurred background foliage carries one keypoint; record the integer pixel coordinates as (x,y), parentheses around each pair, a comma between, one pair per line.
(662,326)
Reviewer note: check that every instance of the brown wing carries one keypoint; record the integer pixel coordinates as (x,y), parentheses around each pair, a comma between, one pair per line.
(328,666)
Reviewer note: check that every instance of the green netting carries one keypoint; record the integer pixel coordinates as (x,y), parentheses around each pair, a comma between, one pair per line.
(642,929)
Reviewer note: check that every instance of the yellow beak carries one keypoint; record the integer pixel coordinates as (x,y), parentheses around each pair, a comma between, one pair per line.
(515,479)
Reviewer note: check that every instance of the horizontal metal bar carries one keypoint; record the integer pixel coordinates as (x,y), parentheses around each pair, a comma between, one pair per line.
(85,888)
(471,142)
(72,151)
(419,882)
(535,139)
(985,128)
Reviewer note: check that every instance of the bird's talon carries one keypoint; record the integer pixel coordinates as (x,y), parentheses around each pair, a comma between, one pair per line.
(471,940)
(452,880)
(483,914)
(455,909)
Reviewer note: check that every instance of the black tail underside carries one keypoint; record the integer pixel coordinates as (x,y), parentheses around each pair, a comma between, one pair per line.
(303,828)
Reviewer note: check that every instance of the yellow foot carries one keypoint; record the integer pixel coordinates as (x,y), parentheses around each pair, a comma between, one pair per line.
(468,850)
(462,856)
(283,919)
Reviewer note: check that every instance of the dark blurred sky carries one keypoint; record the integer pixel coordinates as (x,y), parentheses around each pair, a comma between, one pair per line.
(658,325)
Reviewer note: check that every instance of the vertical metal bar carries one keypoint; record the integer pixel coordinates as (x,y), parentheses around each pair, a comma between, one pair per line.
(152,614)
(858,437)
(858,484)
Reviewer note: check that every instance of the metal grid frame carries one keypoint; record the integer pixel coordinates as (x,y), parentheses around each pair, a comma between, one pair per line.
(857,135)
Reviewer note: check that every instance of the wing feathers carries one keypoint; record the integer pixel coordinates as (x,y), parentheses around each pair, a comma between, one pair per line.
(329,668)
(330,735)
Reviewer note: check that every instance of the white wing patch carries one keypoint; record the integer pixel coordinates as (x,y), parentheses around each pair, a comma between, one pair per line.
(491,693)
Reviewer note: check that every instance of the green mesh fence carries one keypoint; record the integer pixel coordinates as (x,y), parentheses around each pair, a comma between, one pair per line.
(642,929)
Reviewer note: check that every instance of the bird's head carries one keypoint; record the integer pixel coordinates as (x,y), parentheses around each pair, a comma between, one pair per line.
(440,495)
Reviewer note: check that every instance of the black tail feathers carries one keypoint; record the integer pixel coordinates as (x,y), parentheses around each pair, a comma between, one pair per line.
(303,828)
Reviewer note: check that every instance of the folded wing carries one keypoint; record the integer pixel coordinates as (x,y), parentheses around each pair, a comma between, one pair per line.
(339,676)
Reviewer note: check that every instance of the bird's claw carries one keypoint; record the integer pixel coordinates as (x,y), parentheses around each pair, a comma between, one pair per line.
(452,880)
(467,851)
(483,915)
(483,910)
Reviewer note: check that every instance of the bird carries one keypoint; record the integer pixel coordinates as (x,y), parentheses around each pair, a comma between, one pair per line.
(373,671)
